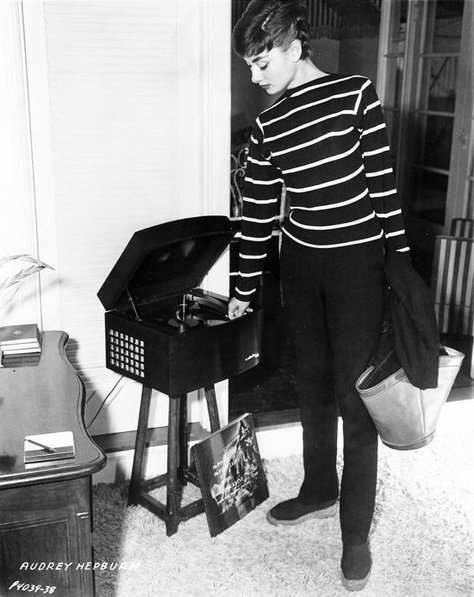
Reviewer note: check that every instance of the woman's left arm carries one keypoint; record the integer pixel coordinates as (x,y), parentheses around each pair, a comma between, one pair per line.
(378,168)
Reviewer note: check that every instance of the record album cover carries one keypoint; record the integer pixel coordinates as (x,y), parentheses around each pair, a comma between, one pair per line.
(231,474)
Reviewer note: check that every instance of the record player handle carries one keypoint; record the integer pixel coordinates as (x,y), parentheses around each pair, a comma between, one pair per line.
(237,308)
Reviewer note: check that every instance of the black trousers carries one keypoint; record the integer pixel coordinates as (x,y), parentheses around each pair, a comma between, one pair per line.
(333,299)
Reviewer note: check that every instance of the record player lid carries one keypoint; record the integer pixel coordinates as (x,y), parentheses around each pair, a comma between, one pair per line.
(166,259)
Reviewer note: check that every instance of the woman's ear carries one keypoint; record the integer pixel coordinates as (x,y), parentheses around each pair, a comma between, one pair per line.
(295,50)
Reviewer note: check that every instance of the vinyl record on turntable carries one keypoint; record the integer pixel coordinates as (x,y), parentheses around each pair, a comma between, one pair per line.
(183,324)
(183,319)
(198,311)
(205,314)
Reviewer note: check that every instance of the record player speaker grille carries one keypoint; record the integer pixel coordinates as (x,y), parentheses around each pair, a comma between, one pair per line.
(127,353)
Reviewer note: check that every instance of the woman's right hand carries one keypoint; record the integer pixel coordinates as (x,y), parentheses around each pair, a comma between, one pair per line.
(237,308)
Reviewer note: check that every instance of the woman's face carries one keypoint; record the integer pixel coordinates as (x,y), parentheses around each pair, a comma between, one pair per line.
(274,70)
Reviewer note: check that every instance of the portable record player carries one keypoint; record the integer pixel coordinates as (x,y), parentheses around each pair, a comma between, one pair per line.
(161,328)
(164,331)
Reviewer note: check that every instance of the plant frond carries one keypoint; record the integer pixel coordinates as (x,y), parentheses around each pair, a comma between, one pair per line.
(24,257)
(19,276)
(13,280)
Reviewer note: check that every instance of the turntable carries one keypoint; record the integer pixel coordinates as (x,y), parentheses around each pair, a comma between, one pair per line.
(167,333)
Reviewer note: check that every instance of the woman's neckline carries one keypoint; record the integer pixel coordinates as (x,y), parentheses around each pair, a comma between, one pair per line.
(291,90)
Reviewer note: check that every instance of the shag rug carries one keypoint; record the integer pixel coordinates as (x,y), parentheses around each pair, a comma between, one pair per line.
(421,540)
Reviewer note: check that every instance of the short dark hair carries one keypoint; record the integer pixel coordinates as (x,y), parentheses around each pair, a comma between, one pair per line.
(266,24)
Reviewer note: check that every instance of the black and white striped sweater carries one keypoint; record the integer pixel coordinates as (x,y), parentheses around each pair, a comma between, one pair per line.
(327,141)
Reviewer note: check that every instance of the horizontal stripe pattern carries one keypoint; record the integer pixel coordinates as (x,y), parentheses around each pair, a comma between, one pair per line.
(326,142)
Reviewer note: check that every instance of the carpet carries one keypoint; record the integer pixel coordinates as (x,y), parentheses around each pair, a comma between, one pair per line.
(422,535)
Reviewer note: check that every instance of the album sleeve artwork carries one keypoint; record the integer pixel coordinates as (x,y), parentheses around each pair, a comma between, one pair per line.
(232,477)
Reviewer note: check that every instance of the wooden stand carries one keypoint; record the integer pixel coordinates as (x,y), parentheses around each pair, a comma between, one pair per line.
(178,471)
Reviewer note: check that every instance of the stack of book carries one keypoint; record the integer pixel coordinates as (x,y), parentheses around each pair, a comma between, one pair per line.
(20,344)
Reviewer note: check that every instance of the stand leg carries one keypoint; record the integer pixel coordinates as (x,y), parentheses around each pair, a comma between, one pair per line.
(472,360)
(173,486)
(140,444)
(183,439)
(212,408)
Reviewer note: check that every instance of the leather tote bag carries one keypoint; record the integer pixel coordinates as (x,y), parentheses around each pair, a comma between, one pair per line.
(404,415)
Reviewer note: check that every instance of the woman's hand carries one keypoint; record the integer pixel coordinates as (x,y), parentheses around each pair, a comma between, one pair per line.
(237,308)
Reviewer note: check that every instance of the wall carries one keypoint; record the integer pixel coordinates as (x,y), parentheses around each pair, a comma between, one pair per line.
(120,121)
(17,224)
(326,54)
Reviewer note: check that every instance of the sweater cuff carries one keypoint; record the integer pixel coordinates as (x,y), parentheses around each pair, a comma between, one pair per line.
(398,256)
(246,298)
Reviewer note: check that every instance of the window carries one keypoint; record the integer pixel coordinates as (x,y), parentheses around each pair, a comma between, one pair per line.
(423,44)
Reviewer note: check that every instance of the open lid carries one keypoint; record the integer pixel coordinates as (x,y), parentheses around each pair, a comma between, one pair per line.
(166,259)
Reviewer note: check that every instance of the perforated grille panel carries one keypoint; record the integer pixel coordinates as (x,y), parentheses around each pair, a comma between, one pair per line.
(127,353)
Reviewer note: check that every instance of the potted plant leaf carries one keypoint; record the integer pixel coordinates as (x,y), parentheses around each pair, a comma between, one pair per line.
(14,269)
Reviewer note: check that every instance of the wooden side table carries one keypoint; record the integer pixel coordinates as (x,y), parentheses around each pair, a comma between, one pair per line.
(45,508)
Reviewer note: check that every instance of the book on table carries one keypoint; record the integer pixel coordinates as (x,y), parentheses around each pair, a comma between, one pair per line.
(49,446)
(26,334)
(21,350)
(20,344)
(21,360)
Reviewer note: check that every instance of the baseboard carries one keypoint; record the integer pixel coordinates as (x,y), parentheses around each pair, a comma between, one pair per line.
(156,436)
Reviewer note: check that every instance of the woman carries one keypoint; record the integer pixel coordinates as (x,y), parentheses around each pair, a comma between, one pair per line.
(324,137)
